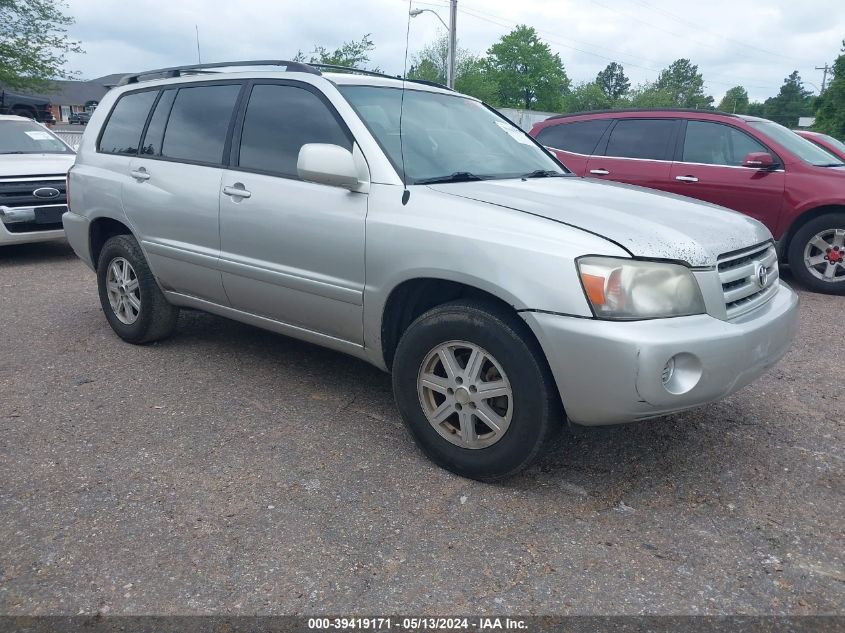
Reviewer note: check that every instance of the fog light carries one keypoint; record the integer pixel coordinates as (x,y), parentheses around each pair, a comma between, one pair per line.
(668,371)
(681,373)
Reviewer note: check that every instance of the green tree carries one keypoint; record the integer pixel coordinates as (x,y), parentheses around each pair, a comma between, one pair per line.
(472,75)
(755,108)
(613,82)
(791,102)
(648,95)
(587,96)
(528,74)
(354,54)
(34,43)
(735,100)
(830,113)
(684,84)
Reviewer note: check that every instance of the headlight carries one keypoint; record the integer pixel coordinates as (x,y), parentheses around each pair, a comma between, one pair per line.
(627,289)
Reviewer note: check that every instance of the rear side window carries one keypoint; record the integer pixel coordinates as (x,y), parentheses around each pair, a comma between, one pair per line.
(641,138)
(198,124)
(580,137)
(281,119)
(717,144)
(155,130)
(122,133)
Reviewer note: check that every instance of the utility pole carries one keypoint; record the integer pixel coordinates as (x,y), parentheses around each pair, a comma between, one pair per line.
(825,68)
(453,43)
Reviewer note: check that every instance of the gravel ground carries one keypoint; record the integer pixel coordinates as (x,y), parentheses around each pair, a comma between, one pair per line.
(232,471)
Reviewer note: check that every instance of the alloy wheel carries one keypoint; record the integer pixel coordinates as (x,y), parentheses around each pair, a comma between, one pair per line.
(123,290)
(465,394)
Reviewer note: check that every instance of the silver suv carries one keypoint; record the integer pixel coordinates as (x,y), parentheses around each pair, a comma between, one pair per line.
(418,229)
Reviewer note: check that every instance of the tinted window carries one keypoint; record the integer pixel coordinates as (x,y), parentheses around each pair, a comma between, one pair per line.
(199,121)
(717,144)
(580,136)
(122,133)
(155,130)
(641,138)
(279,120)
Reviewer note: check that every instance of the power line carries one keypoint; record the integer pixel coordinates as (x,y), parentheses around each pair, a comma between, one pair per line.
(698,27)
(507,23)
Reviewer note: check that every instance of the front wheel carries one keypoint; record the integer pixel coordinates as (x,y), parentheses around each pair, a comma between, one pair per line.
(817,254)
(132,301)
(475,391)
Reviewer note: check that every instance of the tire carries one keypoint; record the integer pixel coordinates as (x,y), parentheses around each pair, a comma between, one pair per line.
(528,418)
(24,112)
(822,239)
(153,318)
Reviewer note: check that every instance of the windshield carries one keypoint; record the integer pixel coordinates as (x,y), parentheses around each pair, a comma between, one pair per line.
(447,138)
(26,137)
(834,142)
(801,147)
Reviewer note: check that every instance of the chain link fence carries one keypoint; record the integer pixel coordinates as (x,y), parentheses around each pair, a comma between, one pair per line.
(71,138)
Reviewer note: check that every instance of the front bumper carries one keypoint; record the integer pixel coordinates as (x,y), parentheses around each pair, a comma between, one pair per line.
(27,217)
(609,372)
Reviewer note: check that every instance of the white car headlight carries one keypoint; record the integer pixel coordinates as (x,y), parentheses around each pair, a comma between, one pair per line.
(628,289)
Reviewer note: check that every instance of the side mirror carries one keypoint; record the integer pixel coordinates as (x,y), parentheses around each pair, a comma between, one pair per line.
(328,165)
(758,160)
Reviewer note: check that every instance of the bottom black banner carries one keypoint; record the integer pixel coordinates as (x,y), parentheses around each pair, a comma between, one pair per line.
(350,624)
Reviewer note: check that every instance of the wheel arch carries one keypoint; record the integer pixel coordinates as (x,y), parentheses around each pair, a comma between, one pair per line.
(100,231)
(801,220)
(412,297)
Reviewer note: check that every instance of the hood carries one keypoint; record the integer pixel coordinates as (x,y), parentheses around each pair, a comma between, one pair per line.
(646,222)
(35,164)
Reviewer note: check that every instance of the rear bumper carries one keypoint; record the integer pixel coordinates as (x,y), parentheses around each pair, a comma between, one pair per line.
(610,372)
(77,229)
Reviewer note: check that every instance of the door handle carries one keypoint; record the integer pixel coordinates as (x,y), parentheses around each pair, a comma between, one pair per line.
(599,172)
(686,178)
(237,191)
(140,174)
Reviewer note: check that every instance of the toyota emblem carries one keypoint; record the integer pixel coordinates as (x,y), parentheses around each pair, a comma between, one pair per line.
(46,192)
(762,275)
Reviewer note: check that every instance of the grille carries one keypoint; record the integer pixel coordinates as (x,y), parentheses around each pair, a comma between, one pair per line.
(18,193)
(740,275)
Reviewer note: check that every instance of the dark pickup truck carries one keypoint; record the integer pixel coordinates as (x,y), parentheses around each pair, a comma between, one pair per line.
(37,108)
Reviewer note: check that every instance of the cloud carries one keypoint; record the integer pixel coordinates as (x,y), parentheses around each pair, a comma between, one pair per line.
(752,44)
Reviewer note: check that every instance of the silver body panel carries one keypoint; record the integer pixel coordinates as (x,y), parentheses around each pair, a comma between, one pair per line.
(320,262)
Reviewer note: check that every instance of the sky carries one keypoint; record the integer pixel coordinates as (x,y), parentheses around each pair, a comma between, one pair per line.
(755,44)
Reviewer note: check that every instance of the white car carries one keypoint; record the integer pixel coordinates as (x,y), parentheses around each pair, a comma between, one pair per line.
(33,174)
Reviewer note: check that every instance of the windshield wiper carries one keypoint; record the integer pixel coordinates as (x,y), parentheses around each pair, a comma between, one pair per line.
(543,173)
(13,152)
(458,176)
(832,165)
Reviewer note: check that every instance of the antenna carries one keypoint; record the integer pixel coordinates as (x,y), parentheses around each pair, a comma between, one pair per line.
(405,193)
(199,57)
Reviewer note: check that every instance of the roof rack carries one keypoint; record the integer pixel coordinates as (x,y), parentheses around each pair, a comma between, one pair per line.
(176,71)
(289,66)
(375,73)
(623,110)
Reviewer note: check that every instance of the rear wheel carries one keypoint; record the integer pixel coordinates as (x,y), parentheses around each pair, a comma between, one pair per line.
(817,254)
(131,300)
(474,389)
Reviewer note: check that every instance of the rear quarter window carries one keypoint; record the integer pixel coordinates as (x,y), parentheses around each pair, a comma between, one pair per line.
(122,133)
(580,137)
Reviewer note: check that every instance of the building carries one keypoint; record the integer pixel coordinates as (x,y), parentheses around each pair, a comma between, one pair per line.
(78,96)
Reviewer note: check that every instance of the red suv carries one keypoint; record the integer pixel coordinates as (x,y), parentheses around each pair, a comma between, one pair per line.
(745,163)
